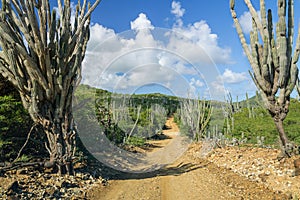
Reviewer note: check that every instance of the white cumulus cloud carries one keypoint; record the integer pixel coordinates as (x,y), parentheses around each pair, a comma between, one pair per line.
(177,10)
(195,85)
(141,22)
(246,21)
(174,58)
(233,77)
(200,44)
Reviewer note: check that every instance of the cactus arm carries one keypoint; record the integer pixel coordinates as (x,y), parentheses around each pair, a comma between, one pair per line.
(86,17)
(274,55)
(240,33)
(294,69)
(263,94)
(82,9)
(292,82)
(42,12)
(266,64)
(263,16)
(282,43)
(297,48)
(255,16)
(267,69)
(290,28)
(257,55)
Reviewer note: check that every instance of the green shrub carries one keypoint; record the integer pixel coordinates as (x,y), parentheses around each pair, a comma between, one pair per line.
(136,141)
(263,125)
(15,124)
(12,114)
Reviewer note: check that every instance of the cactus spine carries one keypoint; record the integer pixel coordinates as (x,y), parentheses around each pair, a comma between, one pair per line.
(272,61)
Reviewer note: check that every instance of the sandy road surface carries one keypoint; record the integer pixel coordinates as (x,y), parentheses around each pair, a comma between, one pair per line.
(187,178)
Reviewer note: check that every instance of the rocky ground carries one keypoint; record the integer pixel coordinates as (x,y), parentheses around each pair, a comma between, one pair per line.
(229,173)
(201,173)
(224,174)
(27,184)
(259,165)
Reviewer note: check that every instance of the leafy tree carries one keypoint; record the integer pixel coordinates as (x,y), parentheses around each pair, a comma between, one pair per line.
(41,55)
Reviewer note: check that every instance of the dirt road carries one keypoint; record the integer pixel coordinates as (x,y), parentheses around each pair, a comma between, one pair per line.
(187,178)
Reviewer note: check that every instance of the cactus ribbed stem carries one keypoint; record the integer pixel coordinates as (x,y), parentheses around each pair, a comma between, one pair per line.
(41,55)
(273,62)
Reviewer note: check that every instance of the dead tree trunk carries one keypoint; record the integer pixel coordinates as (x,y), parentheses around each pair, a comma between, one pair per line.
(41,55)
(273,62)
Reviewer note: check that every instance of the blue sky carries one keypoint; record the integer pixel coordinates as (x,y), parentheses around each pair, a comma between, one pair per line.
(141,46)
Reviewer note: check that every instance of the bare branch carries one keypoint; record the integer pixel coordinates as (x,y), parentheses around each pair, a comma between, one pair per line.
(27,139)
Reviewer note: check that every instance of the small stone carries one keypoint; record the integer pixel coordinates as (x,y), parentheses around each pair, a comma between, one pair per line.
(61,184)
(104,182)
(53,192)
(13,197)
(12,187)
(79,175)
(85,177)
(21,171)
(297,167)
(77,191)
(47,176)
(267,173)
(263,177)
(49,164)
(63,190)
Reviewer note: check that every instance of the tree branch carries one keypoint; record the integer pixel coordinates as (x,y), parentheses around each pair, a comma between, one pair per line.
(27,139)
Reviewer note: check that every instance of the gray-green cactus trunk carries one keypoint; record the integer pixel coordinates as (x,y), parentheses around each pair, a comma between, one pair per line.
(61,135)
(282,135)
(41,55)
(272,60)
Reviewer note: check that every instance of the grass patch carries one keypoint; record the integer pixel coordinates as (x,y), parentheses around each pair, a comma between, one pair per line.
(136,141)
(23,158)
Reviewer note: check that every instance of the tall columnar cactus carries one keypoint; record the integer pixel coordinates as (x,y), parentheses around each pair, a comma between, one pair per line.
(229,111)
(250,110)
(196,115)
(272,60)
(41,54)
